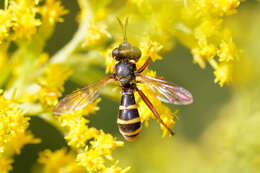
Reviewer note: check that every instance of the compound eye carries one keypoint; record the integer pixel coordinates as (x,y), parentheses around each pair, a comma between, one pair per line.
(115,53)
(136,53)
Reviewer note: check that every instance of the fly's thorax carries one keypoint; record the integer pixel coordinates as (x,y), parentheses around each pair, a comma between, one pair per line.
(126,56)
(125,73)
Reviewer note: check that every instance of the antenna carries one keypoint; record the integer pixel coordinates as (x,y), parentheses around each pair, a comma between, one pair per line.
(126,23)
(123,26)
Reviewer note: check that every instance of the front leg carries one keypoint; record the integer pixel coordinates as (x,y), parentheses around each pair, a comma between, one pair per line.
(140,70)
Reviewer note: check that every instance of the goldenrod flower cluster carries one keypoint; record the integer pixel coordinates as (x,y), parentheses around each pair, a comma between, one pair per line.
(197,24)
(209,40)
(26,73)
(51,86)
(20,16)
(39,79)
(13,131)
(19,20)
(230,142)
(92,157)
(58,161)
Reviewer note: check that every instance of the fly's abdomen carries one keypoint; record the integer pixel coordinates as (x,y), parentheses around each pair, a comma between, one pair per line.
(128,120)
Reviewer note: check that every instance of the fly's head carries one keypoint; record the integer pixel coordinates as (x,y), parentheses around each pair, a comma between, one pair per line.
(125,51)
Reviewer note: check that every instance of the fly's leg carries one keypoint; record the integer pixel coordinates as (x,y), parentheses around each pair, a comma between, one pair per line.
(140,70)
(151,107)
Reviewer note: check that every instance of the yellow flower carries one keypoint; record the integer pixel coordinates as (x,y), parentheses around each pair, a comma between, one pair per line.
(51,84)
(211,37)
(24,18)
(207,30)
(5,24)
(226,7)
(115,169)
(3,56)
(21,140)
(222,74)
(105,143)
(150,49)
(5,164)
(202,53)
(140,3)
(27,24)
(109,60)
(228,51)
(217,7)
(20,19)
(96,34)
(93,158)
(52,11)
(78,134)
(13,131)
(59,161)
(13,127)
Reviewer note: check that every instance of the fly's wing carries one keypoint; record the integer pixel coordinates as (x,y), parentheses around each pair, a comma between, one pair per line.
(165,91)
(81,98)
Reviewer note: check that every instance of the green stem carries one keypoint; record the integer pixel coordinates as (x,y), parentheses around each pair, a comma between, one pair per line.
(53,121)
(79,36)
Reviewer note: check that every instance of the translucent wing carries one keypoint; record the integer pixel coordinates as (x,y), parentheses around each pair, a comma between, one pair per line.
(165,91)
(81,98)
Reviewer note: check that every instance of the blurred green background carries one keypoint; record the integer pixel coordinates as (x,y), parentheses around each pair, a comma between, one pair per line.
(150,153)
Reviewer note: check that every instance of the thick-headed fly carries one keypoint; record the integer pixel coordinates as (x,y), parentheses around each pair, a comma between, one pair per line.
(126,75)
